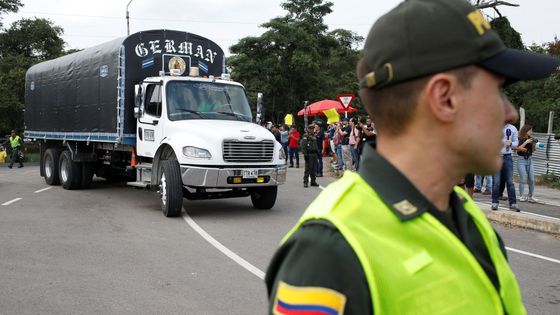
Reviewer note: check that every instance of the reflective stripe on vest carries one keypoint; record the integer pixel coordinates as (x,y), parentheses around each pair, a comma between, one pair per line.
(14,142)
(417,266)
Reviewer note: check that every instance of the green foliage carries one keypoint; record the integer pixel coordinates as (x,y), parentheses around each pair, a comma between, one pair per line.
(509,35)
(539,97)
(33,38)
(25,43)
(551,180)
(10,5)
(296,59)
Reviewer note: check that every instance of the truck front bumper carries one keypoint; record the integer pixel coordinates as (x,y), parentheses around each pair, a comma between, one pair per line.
(213,177)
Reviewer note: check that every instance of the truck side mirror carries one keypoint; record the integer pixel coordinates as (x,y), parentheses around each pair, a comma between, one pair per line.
(138,108)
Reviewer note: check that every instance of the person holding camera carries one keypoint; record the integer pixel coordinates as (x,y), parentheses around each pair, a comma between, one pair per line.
(525,167)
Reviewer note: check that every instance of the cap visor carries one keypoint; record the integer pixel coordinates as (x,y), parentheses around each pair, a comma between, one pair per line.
(518,65)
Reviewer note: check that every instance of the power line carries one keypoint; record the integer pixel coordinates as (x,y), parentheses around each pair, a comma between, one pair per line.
(167,19)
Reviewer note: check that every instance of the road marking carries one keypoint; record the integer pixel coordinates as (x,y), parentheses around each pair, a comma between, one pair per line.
(522,211)
(11,201)
(533,255)
(41,190)
(226,251)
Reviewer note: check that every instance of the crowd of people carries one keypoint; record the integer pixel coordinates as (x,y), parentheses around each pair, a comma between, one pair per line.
(342,141)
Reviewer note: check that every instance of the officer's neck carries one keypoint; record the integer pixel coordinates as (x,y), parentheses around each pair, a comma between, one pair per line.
(422,160)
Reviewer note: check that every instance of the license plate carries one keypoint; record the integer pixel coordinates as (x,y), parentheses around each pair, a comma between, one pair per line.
(250,173)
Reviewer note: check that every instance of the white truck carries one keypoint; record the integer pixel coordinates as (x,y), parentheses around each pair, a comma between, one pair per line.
(156,109)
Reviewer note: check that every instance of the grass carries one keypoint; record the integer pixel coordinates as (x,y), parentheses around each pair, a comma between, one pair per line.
(550,180)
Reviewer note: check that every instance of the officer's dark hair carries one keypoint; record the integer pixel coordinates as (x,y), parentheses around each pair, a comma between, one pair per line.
(392,108)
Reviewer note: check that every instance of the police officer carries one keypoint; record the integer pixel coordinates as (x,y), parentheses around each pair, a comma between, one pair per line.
(310,153)
(15,144)
(398,237)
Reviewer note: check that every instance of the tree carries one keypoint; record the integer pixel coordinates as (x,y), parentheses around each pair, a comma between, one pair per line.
(9,6)
(296,59)
(25,43)
(35,38)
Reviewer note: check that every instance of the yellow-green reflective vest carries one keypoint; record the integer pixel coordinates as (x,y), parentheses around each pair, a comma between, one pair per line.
(416,266)
(14,142)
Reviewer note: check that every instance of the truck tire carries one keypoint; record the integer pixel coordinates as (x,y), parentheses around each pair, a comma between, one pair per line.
(50,165)
(70,172)
(87,174)
(171,189)
(264,197)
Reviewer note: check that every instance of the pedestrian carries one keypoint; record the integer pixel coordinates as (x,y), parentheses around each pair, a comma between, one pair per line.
(398,237)
(15,142)
(310,152)
(276,132)
(479,180)
(354,142)
(344,132)
(510,142)
(332,130)
(337,141)
(293,146)
(284,140)
(525,163)
(320,137)
(3,154)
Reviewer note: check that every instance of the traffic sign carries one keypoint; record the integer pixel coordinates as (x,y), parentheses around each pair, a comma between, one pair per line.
(345,99)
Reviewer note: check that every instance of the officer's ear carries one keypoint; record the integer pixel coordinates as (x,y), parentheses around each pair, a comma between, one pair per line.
(439,97)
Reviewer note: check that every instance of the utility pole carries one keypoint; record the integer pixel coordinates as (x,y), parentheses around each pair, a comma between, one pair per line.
(127,19)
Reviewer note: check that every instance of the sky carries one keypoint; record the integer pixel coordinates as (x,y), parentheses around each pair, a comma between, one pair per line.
(88,23)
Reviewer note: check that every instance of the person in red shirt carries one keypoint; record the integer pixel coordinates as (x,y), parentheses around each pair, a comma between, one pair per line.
(293,146)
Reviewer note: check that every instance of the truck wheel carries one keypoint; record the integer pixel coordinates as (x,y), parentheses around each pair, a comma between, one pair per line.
(264,197)
(87,174)
(171,189)
(70,172)
(50,165)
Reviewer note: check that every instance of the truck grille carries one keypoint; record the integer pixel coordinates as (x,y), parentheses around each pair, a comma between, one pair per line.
(240,151)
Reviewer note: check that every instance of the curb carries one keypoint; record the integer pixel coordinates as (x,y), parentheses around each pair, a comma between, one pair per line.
(523,220)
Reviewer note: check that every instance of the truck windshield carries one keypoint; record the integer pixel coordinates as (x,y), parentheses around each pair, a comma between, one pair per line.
(205,100)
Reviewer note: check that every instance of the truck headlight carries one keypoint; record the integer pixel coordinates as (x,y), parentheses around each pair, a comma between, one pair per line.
(282,154)
(196,153)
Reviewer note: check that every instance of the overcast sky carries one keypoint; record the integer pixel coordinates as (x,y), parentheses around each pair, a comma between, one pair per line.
(87,23)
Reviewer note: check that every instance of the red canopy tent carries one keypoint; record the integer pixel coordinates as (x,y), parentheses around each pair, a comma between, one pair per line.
(317,108)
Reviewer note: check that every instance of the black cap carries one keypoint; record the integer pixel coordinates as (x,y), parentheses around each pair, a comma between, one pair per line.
(423,37)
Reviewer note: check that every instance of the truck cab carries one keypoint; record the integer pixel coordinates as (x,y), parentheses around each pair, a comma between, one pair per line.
(203,126)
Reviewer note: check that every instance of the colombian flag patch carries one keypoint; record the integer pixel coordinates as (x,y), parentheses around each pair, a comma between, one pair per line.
(291,300)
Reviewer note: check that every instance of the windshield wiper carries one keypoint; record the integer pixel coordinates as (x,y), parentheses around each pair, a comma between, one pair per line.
(192,111)
(236,115)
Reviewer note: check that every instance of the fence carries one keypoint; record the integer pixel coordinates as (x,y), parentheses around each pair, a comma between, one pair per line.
(545,160)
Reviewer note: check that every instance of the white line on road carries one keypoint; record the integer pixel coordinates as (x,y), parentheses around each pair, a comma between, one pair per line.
(226,251)
(11,201)
(533,255)
(522,211)
(41,190)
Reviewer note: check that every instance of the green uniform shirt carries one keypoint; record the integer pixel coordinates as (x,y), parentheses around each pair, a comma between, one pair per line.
(318,255)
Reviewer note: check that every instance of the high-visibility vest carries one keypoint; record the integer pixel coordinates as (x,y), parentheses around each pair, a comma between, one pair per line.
(416,266)
(15,141)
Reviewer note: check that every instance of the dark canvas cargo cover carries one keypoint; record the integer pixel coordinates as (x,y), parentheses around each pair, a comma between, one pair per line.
(89,95)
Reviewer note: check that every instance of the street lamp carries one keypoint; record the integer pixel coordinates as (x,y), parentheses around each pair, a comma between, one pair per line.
(127,19)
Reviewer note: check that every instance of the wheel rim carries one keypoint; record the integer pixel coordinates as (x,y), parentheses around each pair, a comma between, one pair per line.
(48,166)
(64,170)
(163,189)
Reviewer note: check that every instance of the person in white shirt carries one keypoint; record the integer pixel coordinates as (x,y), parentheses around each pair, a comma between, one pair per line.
(511,142)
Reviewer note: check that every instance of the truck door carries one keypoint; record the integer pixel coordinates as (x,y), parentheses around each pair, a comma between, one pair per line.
(150,128)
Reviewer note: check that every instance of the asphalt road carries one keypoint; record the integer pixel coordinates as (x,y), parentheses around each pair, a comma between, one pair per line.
(109,250)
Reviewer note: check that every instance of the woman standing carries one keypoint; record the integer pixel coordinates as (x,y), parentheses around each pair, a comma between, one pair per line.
(525,162)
